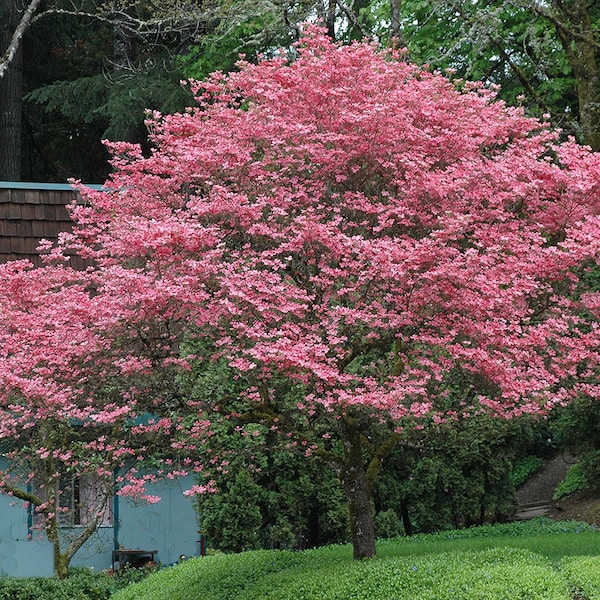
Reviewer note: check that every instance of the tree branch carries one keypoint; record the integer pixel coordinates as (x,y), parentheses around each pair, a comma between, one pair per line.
(376,462)
(521,75)
(20,30)
(21,494)
(560,25)
(130,24)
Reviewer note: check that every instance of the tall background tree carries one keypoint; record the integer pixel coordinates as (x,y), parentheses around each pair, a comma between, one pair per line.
(95,68)
(544,55)
(11,95)
(105,63)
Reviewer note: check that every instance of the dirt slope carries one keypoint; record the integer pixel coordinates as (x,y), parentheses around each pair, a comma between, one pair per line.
(581,506)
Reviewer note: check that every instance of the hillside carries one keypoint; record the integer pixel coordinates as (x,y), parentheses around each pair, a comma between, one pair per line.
(580,506)
(538,491)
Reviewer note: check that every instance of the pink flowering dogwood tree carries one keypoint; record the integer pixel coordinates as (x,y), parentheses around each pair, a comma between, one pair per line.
(346,232)
(76,425)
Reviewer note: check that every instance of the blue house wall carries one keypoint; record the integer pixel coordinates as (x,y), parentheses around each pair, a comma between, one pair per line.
(21,556)
(168,527)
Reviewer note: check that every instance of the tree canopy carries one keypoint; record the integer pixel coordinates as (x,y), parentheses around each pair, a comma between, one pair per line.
(345,234)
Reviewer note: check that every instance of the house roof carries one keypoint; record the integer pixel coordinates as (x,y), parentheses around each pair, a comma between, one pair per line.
(30,212)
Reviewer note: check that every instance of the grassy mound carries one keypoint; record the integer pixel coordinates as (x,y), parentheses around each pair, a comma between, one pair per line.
(474,564)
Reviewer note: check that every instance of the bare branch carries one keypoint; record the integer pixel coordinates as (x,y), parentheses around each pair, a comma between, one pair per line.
(20,30)
(353,18)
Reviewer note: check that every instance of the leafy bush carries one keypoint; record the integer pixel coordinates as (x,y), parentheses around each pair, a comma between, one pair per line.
(524,468)
(82,584)
(282,503)
(574,481)
(213,577)
(577,425)
(388,524)
(462,475)
(590,468)
(583,575)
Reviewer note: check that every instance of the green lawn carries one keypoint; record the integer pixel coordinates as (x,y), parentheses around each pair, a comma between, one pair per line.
(537,560)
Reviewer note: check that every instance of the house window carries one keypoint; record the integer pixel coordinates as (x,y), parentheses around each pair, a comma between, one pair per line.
(79,499)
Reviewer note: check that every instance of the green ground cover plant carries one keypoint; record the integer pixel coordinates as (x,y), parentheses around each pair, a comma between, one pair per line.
(524,468)
(552,539)
(583,575)
(81,584)
(534,559)
(575,481)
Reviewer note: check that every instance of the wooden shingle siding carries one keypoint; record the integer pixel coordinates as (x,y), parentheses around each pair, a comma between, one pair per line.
(30,212)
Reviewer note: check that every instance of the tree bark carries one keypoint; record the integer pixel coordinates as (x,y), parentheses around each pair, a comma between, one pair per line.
(16,28)
(396,34)
(11,97)
(574,29)
(358,494)
(326,10)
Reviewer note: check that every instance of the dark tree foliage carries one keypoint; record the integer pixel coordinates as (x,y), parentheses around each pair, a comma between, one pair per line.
(577,430)
(82,85)
(280,501)
(458,476)
(11,86)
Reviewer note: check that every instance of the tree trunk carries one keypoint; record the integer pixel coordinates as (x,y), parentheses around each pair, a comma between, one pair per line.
(11,93)
(326,10)
(588,92)
(362,526)
(575,31)
(396,34)
(405,517)
(61,565)
(358,494)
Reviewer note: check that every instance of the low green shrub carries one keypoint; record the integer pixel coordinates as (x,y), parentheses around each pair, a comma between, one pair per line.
(415,567)
(583,575)
(524,468)
(573,482)
(222,576)
(388,524)
(82,584)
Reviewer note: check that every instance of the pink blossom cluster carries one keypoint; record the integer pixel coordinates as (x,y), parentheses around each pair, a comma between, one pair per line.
(345,222)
